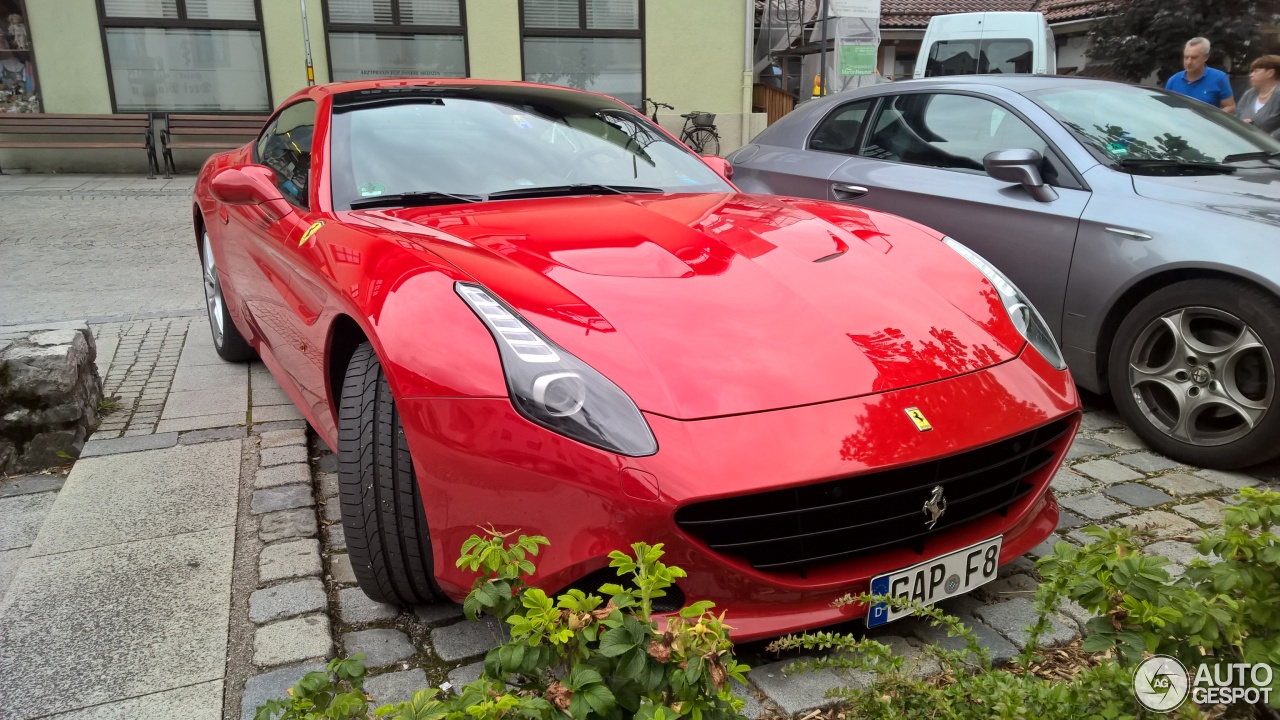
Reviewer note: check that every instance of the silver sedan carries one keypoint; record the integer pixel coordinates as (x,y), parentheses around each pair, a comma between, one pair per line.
(1143,225)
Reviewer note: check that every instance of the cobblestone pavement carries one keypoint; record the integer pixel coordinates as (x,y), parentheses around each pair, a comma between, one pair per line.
(105,248)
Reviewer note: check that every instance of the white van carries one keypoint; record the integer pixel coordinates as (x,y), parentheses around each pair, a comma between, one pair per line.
(984,43)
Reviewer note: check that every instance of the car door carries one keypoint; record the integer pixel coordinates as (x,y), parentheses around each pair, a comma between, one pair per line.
(287,297)
(779,170)
(922,158)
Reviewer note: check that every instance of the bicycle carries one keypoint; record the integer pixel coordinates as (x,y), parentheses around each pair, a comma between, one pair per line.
(699,132)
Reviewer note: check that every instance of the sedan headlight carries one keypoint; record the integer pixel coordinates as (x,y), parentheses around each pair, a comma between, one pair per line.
(556,390)
(1021,311)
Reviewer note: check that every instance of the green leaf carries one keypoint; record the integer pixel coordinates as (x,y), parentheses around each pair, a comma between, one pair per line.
(631,664)
(616,641)
(600,699)
(583,675)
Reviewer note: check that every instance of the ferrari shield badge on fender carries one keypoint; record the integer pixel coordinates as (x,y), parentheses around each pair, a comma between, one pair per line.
(311,231)
(918,418)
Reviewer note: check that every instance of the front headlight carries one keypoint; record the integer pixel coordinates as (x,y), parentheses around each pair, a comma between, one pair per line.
(1021,311)
(556,390)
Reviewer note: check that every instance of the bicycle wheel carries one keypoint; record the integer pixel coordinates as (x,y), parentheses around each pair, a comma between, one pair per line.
(703,141)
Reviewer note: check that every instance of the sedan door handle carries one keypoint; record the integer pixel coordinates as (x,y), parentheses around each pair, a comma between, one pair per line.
(845,191)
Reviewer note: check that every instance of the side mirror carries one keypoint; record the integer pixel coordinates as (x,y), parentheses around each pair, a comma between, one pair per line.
(1021,167)
(720,165)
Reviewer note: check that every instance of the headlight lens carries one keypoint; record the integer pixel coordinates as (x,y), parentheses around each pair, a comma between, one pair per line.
(1021,311)
(556,390)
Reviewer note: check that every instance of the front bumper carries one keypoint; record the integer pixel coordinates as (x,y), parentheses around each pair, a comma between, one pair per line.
(479,464)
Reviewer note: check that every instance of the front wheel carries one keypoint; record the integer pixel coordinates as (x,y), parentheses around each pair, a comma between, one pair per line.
(703,141)
(1192,370)
(227,340)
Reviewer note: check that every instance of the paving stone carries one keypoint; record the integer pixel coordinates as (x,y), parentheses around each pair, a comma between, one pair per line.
(1001,650)
(281,498)
(193,437)
(10,561)
(1080,538)
(1123,438)
(333,511)
(202,701)
(287,524)
(437,612)
(356,607)
(1084,447)
(328,462)
(395,687)
(273,413)
(292,474)
(1106,471)
(31,484)
(381,647)
(1147,462)
(796,693)
(1016,566)
(1228,480)
(467,639)
(281,438)
(1182,484)
(915,663)
(281,601)
(753,709)
(1046,547)
(1139,496)
(97,448)
(1067,521)
(465,675)
(1094,421)
(1093,506)
(200,422)
(1160,524)
(1179,554)
(1206,512)
(1006,588)
(298,558)
(1012,618)
(1065,481)
(265,427)
(1074,612)
(21,517)
(328,482)
(340,569)
(335,537)
(292,641)
(272,685)
(285,454)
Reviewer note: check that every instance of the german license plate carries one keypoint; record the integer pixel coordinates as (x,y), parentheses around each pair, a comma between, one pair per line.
(933,580)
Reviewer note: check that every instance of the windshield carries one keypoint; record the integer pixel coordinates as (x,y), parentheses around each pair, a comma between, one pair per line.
(478,141)
(1126,122)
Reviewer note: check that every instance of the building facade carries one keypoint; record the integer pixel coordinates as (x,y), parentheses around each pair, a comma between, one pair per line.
(247,56)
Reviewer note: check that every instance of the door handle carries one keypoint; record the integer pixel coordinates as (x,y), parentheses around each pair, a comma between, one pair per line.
(845,191)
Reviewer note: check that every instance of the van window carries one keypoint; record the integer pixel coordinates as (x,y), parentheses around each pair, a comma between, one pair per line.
(979,57)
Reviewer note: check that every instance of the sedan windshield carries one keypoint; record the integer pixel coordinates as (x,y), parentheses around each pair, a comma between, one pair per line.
(1124,124)
(471,143)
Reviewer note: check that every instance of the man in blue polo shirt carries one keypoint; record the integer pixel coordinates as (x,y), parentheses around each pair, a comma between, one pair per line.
(1199,81)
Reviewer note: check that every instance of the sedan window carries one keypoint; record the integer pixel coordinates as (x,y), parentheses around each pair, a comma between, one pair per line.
(838,132)
(285,147)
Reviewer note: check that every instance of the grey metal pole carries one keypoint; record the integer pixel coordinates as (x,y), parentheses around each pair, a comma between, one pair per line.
(306,44)
(822,62)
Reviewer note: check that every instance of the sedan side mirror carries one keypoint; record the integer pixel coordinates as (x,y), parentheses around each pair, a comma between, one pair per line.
(1021,167)
(720,165)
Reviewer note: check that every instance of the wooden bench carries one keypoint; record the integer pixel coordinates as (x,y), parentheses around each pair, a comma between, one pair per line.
(213,132)
(124,131)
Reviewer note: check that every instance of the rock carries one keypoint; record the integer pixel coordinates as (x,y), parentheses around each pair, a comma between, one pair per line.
(50,390)
(57,447)
(380,647)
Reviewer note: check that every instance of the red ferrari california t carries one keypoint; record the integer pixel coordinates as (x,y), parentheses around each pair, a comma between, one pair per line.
(529,307)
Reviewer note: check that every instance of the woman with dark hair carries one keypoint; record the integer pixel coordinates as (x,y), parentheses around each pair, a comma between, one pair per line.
(1260,104)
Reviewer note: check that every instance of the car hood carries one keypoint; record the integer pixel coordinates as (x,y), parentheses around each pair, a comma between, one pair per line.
(1249,194)
(705,305)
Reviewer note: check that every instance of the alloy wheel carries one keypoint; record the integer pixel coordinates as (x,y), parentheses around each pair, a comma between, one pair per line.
(1201,376)
(212,290)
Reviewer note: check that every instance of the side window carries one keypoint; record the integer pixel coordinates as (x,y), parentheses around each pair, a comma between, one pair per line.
(954,132)
(838,131)
(285,147)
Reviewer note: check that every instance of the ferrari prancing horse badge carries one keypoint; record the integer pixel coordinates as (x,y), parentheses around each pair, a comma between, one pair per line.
(311,231)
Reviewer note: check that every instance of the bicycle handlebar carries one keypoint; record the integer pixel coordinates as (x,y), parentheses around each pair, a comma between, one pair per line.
(655,103)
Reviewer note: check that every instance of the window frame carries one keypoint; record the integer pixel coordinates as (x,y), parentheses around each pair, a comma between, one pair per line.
(398,28)
(1073,180)
(873,110)
(256,159)
(582,31)
(182,22)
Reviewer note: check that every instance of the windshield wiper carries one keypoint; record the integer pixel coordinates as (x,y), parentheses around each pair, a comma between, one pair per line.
(1259,155)
(1141,163)
(579,189)
(413,199)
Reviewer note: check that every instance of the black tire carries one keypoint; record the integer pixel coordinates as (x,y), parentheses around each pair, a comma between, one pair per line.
(703,141)
(1223,379)
(382,514)
(227,340)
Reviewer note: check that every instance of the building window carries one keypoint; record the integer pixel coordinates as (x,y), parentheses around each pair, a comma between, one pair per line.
(185,55)
(18,91)
(595,45)
(395,38)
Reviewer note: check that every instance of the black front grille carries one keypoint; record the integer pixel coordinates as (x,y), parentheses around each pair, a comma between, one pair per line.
(812,524)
